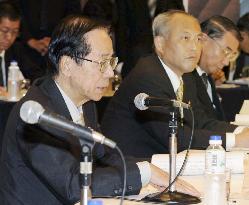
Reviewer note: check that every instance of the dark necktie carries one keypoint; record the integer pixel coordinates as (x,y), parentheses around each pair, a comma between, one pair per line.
(1,71)
(204,78)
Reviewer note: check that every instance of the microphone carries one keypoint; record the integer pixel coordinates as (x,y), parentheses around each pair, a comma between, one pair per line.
(143,101)
(32,112)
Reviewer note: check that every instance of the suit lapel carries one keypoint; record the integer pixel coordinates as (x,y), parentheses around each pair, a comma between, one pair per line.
(55,97)
(219,110)
(7,59)
(202,91)
(89,111)
(166,83)
(90,115)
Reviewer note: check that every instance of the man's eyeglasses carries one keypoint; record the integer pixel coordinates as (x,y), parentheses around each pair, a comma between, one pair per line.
(13,33)
(105,63)
(227,52)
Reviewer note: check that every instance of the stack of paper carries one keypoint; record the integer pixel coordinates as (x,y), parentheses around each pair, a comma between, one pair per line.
(240,81)
(196,162)
(242,119)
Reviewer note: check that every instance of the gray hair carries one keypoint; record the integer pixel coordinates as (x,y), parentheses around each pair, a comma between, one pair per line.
(160,25)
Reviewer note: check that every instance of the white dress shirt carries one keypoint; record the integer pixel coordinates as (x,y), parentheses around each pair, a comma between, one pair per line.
(2,54)
(174,79)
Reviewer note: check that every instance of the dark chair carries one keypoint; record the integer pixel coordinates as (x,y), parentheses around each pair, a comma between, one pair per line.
(5,109)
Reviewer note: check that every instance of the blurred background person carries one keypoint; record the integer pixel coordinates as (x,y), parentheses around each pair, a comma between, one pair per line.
(10,49)
(242,63)
(39,18)
(133,31)
(220,46)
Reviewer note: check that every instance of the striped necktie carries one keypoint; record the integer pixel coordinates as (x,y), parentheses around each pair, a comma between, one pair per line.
(179,97)
(179,92)
(81,120)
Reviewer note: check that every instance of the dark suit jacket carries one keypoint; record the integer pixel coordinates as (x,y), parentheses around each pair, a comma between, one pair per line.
(240,64)
(36,167)
(29,69)
(34,26)
(166,5)
(133,32)
(203,97)
(143,133)
(55,11)
(134,37)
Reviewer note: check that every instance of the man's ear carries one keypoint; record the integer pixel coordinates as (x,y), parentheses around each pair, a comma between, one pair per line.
(159,42)
(65,65)
(244,34)
(204,37)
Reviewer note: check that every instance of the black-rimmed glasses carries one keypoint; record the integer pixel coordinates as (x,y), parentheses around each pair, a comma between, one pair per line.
(113,61)
(14,33)
(227,52)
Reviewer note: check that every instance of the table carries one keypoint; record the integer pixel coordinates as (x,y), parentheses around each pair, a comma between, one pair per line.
(236,186)
(232,100)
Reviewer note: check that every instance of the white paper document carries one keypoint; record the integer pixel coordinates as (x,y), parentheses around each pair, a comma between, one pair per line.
(242,119)
(196,162)
(245,108)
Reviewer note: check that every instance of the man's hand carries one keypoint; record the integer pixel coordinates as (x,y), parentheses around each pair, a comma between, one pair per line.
(3,91)
(40,46)
(160,179)
(219,77)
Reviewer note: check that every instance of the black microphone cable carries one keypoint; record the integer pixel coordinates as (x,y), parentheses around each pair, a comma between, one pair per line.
(187,153)
(125,174)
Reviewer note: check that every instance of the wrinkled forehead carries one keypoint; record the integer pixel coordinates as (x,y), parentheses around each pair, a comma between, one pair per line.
(100,43)
(229,41)
(185,23)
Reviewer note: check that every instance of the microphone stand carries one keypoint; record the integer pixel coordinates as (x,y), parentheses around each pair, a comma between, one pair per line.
(170,195)
(85,174)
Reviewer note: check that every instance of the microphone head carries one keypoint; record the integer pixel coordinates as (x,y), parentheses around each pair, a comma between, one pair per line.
(139,101)
(31,111)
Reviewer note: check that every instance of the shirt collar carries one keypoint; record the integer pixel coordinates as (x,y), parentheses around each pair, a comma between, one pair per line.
(2,53)
(75,111)
(200,71)
(174,79)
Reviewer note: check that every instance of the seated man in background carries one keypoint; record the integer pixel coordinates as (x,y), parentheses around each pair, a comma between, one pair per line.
(9,49)
(178,41)
(220,46)
(39,18)
(240,66)
(242,63)
(38,167)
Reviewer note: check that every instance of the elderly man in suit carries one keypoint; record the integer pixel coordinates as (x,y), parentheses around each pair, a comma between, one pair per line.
(38,167)
(178,42)
(220,46)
